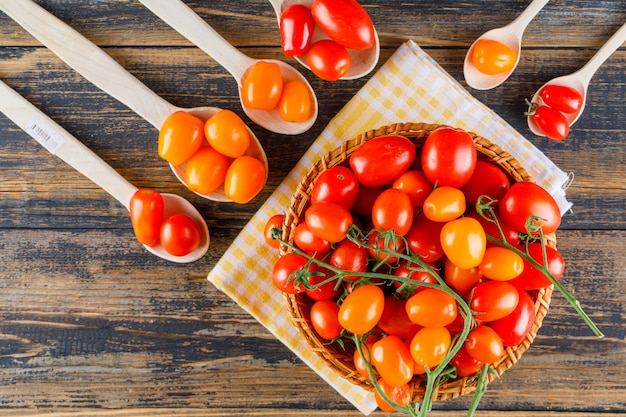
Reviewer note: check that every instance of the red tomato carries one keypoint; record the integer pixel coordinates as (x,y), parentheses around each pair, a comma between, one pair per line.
(365,199)
(325,291)
(393,211)
(501,264)
(449,157)
(324,319)
(206,170)
(383,159)
(465,364)
(283,275)
(296,29)
(401,395)
(551,122)
(464,242)
(227,133)
(346,22)
(180,137)
(392,360)
(416,273)
(295,103)
(262,86)
(349,256)
(461,279)
(562,98)
(336,185)
(146,215)
(328,221)
(444,204)
(415,184)
(328,60)
(514,327)
(532,278)
(361,309)
(488,179)
(525,199)
(307,241)
(382,244)
(431,307)
(274,222)
(492,57)
(395,321)
(492,300)
(424,238)
(484,344)
(245,178)
(180,234)
(429,347)
(511,235)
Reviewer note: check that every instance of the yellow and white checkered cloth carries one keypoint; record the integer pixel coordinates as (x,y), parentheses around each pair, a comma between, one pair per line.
(409,87)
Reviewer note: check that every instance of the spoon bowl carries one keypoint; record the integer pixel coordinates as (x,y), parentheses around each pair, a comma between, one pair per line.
(363,61)
(62,144)
(509,35)
(103,71)
(189,24)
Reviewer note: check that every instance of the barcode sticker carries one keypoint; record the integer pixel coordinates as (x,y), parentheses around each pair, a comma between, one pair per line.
(43,133)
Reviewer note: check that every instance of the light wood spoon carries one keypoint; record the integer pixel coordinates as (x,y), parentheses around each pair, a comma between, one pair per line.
(103,71)
(62,144)
(186,22)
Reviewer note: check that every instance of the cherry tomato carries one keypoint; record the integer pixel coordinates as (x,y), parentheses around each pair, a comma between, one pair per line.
(365,199)
(465,364)
(383,159)
(349,256)
(415,272)
(324,318)
(431,307)
(429,347)
(324,291)
(395,321)
(562,98)
(245,178)
(484,344)
(328,221)
(361,309)
(532,278)
(401,395)
(274,222)
(336,185)
(381,244)
(295,104)
(492,57)
(283,272)
(444,204)
(393,211)
(550,121)
(424,238)
(296,29)
(514,327)
(346,22)
(180,234)
(449,157)
(392,360)
(511,235)
(227,133)
(464,242)
(461,279)
(262,86)
(492,300)
(415,184)
(206,170)
(501,264)
(525,199)
(328,60)
(146,215)
(308,242)
(488,179)
(180,137)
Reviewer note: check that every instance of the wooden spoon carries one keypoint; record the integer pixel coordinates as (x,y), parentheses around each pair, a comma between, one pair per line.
(186,22)
(104,72)
(62,144)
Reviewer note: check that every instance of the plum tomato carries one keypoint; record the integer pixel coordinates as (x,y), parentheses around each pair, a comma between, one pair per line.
(492,300)
(461,279)
(395,321)
(328,221)
(465,364)
(296,29)
(488,179)
(449,157)
(501,264)
(206,170)
(392,360)
(401,395)
(464,242)
(514,327)
(328,60)
(562,98)
(146,215)
(336,185)
(550,121)
(393,211)
(324,317)
(262,86)
(245,178)
(492,57)
(532,278)
(484,344)
(283,272)
(227,133)
(274,222)
(424,238)
(362,308)
(308,242)
(429,347)
(431,307)
(349,256)
(525,199)
(381,160)
(444,204)
(415,184)
(180,234)
(181,136)
(295,103)
(346,22)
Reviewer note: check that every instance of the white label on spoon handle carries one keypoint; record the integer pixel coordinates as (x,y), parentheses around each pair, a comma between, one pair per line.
(41,131)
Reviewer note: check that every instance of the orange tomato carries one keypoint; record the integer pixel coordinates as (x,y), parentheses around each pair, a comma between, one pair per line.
(444,204)
(227,133)
(245,178)
(362,308)
(295,103)
(431,307)
(429,347)
(206,170)
(464,242)
(180,137)
(392,360)
(401,396)
(262,86)
(492,57)
(501,264)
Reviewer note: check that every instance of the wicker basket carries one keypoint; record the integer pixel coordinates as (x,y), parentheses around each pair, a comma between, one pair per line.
(299,305)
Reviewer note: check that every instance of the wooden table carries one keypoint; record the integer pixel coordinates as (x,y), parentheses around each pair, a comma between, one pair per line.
(93,325)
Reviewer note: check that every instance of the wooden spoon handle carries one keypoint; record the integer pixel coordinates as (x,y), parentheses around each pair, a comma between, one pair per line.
(62,144)
(88,60)
(592,66)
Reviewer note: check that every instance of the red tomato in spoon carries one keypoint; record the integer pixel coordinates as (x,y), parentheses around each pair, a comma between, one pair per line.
(346,22)
(146,214)
(296,29)
(562,98)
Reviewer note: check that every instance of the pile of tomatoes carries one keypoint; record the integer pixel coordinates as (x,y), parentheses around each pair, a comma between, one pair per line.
(427,261)
(345,22)
(214,152)
(557,101)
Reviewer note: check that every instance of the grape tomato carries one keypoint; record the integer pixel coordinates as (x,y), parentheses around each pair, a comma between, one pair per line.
(448,157)
(346,22)
(336,185)
(324,317)
(550,121)
(562,98)
(206,170)
(227,133)
(492,57)
(245,178)
(362,308)
(296,29)
(295,104)
(146,215)
(180,234)
(262,86)
(381,160)
(181,136)
(525,199)
(328,60)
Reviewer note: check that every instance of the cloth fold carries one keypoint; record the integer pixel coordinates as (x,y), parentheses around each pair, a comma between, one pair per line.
(409,87)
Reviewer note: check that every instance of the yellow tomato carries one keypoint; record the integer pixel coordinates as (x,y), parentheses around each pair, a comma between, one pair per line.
(262,86)
(492,57)
(206,170)
(227,133)
(180,137)
(245,179)
(296,102)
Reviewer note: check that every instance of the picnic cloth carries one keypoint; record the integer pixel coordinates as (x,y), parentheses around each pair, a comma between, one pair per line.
(409,87)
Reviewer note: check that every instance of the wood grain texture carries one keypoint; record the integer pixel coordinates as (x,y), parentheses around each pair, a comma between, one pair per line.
(93,325)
